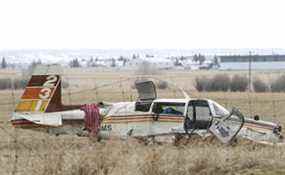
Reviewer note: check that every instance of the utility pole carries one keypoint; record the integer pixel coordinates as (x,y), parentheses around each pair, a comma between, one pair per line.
(249,73)
(249,83)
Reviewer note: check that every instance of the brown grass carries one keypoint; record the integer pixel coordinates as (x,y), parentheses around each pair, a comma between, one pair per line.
(30,152)
(81,156)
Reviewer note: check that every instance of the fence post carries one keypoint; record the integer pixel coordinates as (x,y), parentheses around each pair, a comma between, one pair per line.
(274,108)
(15,130)
(250,109)
(131,97)
(69,92)
(95,88)
(226,104)
(121,87)
(225,101)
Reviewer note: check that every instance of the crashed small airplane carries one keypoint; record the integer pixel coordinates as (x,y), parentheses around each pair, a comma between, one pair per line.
(40,108)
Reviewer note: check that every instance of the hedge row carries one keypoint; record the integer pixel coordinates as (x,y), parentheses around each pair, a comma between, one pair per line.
(223,82)
(278,85)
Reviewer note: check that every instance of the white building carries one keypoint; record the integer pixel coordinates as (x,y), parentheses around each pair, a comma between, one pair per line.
(160,63)
(258,62)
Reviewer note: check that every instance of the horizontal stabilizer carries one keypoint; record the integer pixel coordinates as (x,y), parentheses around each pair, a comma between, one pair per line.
(48,119)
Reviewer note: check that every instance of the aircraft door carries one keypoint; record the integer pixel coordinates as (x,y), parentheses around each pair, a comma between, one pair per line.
(198,115)
(227,127)
(147,93)
(146,90)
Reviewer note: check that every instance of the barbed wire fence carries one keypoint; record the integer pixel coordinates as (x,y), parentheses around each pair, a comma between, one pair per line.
(269,108)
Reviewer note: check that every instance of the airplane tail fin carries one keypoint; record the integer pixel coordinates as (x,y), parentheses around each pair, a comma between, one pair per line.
(42,94)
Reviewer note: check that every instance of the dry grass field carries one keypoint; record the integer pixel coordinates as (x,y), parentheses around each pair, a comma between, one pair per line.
(33,153)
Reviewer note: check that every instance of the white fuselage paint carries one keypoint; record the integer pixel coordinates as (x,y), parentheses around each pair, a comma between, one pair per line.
(123,123)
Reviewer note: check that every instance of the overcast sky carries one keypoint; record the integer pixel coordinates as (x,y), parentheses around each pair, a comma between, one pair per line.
(132,24)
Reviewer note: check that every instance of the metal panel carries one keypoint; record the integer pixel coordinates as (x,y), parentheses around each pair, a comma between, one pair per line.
(146,90)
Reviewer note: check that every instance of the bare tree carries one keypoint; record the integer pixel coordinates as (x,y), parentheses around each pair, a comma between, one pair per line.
(4,64)
(199,58)
(113,62)
(74,63)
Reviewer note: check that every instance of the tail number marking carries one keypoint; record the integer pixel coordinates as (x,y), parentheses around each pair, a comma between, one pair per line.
(45,93)
(51,80)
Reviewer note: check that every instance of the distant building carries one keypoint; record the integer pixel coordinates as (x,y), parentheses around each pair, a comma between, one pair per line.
(207,64)
(258,62)
(160,63)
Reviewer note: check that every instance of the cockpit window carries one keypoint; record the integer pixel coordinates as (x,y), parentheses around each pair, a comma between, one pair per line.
(169,108)
(199,114)
(202,109)
(220,110)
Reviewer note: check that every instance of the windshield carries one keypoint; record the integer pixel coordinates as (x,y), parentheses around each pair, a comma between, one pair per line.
(220,110)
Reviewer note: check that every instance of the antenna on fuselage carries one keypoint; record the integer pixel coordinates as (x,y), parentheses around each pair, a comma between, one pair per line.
(185,93)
